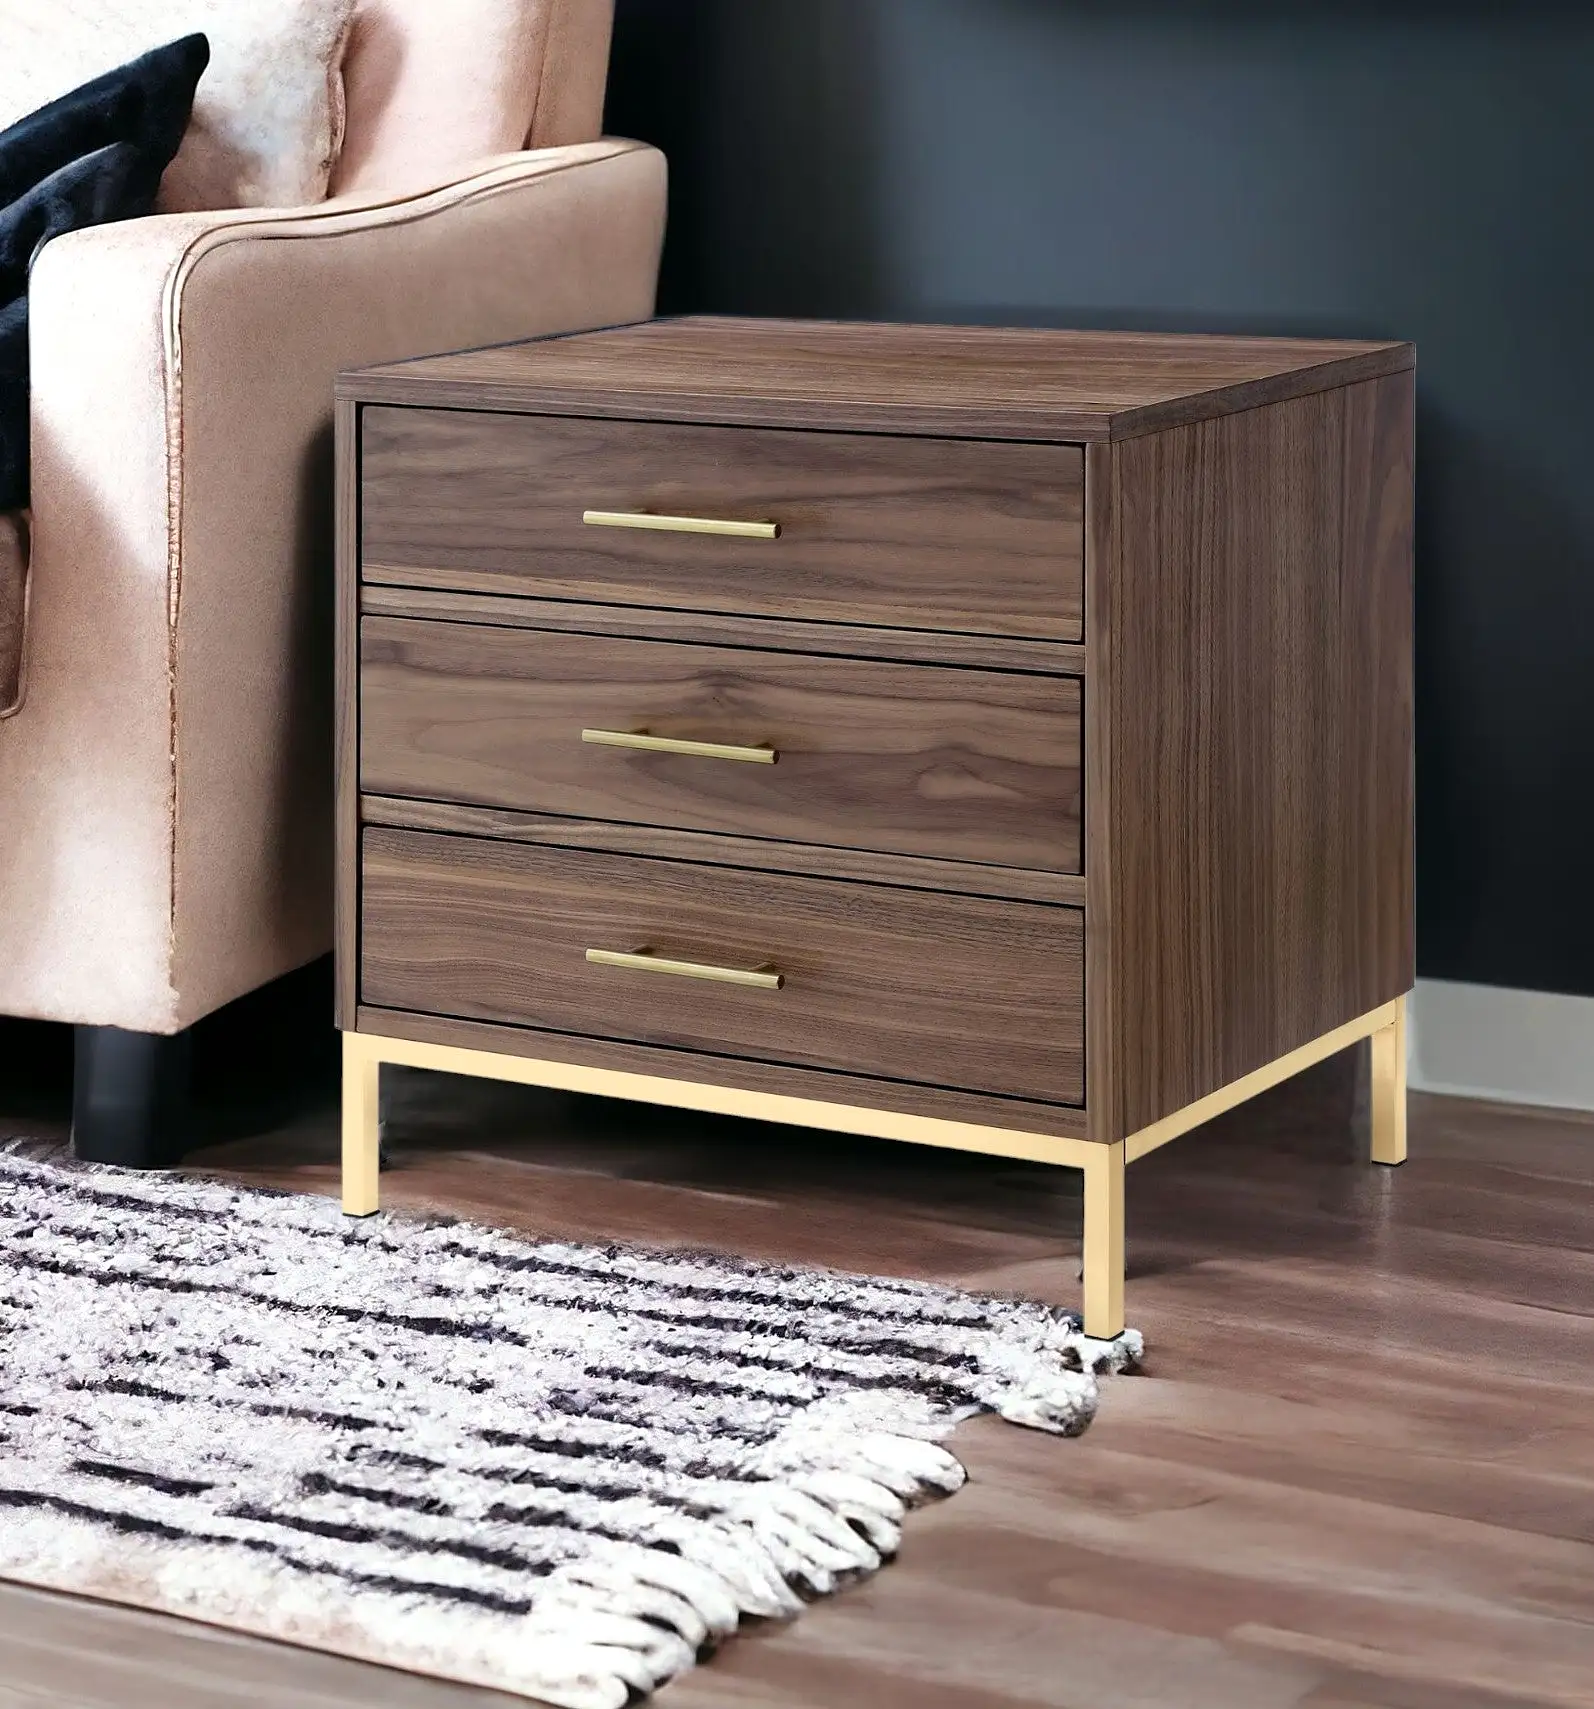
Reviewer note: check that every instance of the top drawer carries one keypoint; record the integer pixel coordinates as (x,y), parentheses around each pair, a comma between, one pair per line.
(967,536)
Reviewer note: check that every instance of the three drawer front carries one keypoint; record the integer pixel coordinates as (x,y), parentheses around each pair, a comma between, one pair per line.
(971,536)
(904,759)
(909,985)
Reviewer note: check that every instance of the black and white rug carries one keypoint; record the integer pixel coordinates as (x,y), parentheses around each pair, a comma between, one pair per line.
(559,1470)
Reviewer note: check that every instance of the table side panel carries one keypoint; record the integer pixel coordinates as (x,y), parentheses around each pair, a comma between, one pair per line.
(1102,571)
(1252,661)
(346,711)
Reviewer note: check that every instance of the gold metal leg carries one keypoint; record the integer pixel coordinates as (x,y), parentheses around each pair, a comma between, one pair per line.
(362,1068)
(1104,1242)
(1388,1089)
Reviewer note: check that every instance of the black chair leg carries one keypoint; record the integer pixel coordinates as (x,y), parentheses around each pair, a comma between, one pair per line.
(130,1097)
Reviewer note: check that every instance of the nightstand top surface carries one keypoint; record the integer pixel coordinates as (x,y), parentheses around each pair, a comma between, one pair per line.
(983,382)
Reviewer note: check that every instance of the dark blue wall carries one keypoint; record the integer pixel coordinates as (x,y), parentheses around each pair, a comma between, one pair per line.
(1414,170)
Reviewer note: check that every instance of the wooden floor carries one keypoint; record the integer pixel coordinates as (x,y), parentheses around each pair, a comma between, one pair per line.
(1357,1473)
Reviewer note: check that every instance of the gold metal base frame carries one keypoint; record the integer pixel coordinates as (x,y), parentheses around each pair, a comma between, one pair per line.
(1103,1165)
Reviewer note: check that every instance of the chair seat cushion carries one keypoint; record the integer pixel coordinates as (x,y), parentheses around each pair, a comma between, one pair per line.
(268,121)
(94,155)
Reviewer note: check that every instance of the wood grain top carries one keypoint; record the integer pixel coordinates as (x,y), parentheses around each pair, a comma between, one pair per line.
(983,382)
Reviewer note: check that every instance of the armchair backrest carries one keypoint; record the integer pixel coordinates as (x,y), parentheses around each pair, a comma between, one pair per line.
(430,89)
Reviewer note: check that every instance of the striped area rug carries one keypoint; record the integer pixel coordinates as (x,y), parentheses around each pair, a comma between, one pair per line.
(561,1470)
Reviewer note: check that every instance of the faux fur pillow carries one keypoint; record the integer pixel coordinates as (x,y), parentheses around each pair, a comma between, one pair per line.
(93,155)
(268,121)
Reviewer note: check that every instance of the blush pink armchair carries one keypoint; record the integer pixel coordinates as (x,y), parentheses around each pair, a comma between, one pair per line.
(165,783)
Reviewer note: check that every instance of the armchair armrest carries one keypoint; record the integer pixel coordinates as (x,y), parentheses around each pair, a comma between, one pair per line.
(167,834)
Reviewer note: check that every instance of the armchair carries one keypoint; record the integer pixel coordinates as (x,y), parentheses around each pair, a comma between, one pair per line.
(165,786)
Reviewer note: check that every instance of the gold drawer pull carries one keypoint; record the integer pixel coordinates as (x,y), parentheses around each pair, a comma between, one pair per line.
(680,524)
(676,745)
(763,978)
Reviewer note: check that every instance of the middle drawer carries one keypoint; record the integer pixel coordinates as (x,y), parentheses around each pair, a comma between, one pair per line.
(926,760)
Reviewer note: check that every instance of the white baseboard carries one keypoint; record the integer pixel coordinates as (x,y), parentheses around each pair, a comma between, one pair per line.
(1517,1047)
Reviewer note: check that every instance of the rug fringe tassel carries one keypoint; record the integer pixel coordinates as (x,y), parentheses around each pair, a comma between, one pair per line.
(573,1674)
(774,1543)
(864,1504)
(751,1572)
(1052,1386)
(833,1511)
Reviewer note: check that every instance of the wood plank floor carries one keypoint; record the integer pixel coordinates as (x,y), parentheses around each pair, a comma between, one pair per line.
(1357,1473)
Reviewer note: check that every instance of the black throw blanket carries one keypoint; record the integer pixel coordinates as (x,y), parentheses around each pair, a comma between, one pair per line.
(92,156)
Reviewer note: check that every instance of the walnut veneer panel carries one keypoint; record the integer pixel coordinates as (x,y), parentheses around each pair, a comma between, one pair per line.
(1252,700)
(983,382)
(951,764)
(900,984)
(713,848)
(743,1074)
(911,533)
(346,713)
(721,629)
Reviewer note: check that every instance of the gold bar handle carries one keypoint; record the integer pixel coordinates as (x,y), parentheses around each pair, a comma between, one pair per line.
(677,745)
(645,961)
(680,524)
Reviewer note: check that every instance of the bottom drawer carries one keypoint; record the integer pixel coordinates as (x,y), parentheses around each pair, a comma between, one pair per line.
(912,985)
